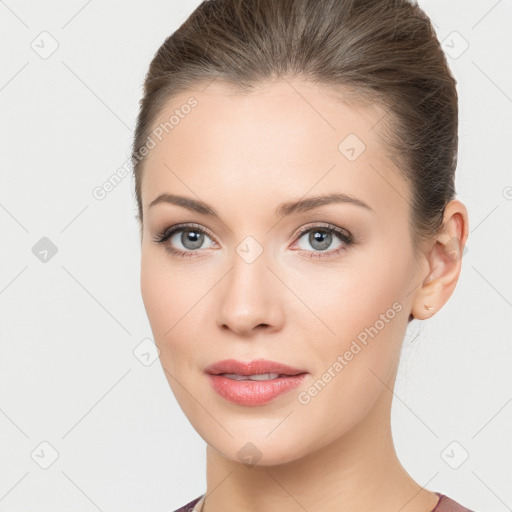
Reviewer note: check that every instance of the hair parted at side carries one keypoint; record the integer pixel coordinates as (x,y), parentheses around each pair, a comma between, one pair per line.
(382,51)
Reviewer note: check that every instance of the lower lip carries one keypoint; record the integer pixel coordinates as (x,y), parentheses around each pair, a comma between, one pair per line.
(254,392)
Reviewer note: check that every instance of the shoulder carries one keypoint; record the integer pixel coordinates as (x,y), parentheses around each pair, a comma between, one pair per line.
(189,507)
(447,504)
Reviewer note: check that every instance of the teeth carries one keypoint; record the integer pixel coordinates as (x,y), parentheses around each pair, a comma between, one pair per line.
(260,376)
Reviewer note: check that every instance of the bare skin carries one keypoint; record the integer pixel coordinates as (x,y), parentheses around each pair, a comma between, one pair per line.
(244,154)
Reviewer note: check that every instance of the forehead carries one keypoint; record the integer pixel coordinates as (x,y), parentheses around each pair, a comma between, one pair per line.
(280,139)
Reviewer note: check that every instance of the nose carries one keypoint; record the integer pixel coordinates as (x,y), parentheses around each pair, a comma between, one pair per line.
(251,298)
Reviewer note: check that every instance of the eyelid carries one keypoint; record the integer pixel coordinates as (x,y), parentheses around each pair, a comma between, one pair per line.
(324,225)
(171,230)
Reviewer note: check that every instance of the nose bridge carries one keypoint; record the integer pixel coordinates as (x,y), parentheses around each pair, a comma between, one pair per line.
(249,297)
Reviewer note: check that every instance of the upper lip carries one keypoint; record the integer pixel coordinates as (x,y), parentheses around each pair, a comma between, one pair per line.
(255,367)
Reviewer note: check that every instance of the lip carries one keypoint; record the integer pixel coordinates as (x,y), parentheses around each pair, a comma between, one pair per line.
(252,367)
(253,393)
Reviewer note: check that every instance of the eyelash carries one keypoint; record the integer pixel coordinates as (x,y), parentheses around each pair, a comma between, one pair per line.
(166,234)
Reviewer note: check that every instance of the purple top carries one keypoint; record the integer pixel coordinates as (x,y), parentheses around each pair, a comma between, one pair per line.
(445,504)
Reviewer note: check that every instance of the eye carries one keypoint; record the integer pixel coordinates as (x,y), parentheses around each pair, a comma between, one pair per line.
(321,237)
(190,236)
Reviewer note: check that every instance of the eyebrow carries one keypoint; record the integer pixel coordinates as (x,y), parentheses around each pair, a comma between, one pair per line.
(284,209)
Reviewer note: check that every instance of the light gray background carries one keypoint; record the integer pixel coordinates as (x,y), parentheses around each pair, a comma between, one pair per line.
(69,326)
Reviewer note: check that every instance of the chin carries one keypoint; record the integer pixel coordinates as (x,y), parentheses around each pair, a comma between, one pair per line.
(259,451)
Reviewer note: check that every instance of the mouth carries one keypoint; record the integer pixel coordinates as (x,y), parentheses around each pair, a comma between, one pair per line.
(253,383)
(258,376)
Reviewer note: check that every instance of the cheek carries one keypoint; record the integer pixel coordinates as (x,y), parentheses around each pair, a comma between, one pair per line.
(172,298)
(340,302)
(364,314)
(164,294)
(163,297)
(156,295)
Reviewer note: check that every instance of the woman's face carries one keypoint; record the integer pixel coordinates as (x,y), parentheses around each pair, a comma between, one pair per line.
(254,283)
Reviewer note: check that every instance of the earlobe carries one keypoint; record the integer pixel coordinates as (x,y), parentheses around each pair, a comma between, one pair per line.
(429,299)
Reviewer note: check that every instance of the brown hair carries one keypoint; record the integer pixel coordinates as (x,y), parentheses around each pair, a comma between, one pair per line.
(384,51)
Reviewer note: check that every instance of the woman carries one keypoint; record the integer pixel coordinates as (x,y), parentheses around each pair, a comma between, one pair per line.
(294,168)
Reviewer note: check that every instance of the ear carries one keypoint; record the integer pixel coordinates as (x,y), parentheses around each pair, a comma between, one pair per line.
(444,262)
